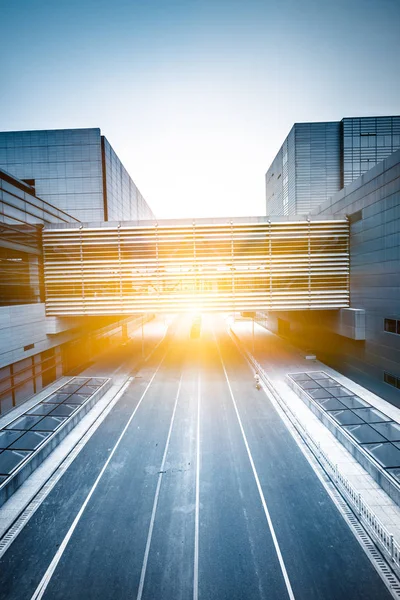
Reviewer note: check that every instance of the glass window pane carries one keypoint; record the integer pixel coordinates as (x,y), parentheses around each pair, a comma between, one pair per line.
(390,325)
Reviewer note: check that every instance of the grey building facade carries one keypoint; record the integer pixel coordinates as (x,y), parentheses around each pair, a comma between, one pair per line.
(366,142)
(316,160)
(36,349)
(364,341)
(30,358)
(22,214)
(75,170)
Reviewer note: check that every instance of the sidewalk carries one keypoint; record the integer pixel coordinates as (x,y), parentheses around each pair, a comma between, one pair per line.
(278,358)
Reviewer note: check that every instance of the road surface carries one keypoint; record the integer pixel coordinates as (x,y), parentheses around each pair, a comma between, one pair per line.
(191,488)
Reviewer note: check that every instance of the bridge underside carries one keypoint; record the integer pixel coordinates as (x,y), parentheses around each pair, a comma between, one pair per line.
(248,265)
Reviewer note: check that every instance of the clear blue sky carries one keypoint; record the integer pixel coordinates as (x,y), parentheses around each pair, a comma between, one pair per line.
(196,96)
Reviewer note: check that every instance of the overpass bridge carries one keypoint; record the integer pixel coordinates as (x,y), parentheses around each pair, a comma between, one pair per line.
(243,264)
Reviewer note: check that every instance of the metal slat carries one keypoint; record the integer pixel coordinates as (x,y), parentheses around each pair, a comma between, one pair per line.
(127,269)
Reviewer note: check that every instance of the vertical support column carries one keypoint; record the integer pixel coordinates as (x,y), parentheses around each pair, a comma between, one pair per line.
(58,361)
(33,374)
(195,266)
(270,263)
(121,300)
(82,272)
(157,265)
(38,372)
(309,264)
(12,384)
(348,260)
(34,282)
(233,268)
(142,319)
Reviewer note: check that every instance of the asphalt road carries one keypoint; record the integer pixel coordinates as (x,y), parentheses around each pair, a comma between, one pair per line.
(191,488)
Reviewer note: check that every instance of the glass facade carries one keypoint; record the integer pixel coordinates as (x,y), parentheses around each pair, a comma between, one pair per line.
(76,170)
(306,169)
(124,201)
(22,216)
(274,187)
(21,278)
(317,164)
(367,141)
(318,159)
(65,166)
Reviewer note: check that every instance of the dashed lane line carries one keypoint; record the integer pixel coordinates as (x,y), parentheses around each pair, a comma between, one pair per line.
(155,503)
(263,501)
(24,515)
(197,501)
(41,588)
(368,545)
(23,518)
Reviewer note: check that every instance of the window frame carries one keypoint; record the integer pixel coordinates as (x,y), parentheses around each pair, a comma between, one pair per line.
(396,326)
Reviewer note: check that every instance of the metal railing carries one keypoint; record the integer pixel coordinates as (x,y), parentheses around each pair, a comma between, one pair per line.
(365,515)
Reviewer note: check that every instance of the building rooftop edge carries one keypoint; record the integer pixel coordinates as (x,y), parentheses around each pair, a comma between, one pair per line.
(52,130)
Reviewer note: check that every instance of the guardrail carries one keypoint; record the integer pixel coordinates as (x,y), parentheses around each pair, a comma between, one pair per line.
(365,515)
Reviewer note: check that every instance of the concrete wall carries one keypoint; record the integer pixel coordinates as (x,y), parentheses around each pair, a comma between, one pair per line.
(29,358)
(372,203)
(35,349)
(21,326)
(375,260)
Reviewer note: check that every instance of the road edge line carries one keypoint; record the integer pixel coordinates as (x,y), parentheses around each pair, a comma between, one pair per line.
(155,503)
(41,588)
(259,488)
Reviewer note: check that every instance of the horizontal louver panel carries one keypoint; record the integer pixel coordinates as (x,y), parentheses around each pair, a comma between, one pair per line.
(280,265)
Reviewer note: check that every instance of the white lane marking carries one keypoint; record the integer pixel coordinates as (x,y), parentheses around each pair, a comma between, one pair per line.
(41,588)
(197,502)
(10,533)
(155,503)
(264,504)
(361,535)
(36,501)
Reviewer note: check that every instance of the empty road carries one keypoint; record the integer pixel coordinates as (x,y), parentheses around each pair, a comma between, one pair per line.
(191,488)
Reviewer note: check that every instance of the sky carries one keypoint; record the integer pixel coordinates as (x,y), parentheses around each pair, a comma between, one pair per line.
(197,96)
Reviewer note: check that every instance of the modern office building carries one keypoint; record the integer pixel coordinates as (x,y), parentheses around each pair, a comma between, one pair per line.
(36,349)
(75,170)
(58,176)
(317,160)
(362,341)
(22,214)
